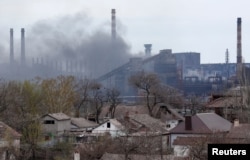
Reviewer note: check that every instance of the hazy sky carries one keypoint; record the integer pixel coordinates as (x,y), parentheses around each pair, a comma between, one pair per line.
(205,26)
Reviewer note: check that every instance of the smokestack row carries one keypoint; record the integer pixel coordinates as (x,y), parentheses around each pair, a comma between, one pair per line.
(22,46)
(113,24)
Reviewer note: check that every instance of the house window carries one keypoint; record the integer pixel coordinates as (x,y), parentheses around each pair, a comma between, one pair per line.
(49,122)
(108,125)
(168,125)
(46,138)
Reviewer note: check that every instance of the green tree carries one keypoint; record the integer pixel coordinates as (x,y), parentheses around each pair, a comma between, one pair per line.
(59,94)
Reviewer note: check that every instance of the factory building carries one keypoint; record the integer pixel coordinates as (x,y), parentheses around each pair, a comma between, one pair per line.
(183,71)
(163,64)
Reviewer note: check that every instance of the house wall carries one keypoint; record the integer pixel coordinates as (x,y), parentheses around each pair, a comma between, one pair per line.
(113,130)
(15,143)
(174,136)
(171,124)
(181,151)
(57,128)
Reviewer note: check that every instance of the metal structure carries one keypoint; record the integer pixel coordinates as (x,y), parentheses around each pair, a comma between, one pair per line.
(148,48)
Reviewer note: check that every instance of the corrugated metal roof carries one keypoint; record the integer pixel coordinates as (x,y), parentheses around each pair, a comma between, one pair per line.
(82,123)
(58,116)
(148,121)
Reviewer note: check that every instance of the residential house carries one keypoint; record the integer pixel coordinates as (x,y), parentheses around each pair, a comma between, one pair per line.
(109,156)
(82,124)
(54,126)
(239,133)
(80,130)
(168,115)
(199,125)
(225,105)
(111,126)
(8,138)
(143,125)
(165,112)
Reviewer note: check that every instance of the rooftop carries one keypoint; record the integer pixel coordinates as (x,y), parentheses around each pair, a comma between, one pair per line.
(82,123)
(204,123)
(58,116)
(7,130)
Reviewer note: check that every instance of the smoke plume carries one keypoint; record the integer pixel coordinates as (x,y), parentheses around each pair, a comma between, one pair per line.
(71,39)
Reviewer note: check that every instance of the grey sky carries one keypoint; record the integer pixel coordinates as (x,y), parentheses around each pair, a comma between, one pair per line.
(205,26)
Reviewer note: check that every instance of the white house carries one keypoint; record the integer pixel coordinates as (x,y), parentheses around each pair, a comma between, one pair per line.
(112,126)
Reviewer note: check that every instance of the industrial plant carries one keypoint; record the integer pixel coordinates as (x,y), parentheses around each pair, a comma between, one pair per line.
(183,71)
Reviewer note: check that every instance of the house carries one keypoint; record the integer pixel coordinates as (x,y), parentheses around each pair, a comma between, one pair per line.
(143,122)
(239,133)
(82,124)
(111,126)
(80,130)
(109,156)
(162,111)
(225,105)
(142,125)
(197,127)
(8,138)
(168,115)
(54,125)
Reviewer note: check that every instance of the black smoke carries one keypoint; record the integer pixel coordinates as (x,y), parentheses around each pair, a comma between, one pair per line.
(72,39)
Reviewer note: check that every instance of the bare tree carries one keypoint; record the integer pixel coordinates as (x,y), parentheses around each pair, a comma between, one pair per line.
(113,100)
(151,87)
(83,95)
(97,99)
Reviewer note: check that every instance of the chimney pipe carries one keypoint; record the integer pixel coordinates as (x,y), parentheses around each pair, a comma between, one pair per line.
(239,50)
(188,122)
(11,46)
(22,47)
(113,24)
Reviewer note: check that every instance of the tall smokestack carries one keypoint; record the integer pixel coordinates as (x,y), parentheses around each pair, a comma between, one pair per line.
(22,47)
(113,24)
(11,46)
(227,56)
(239,56)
